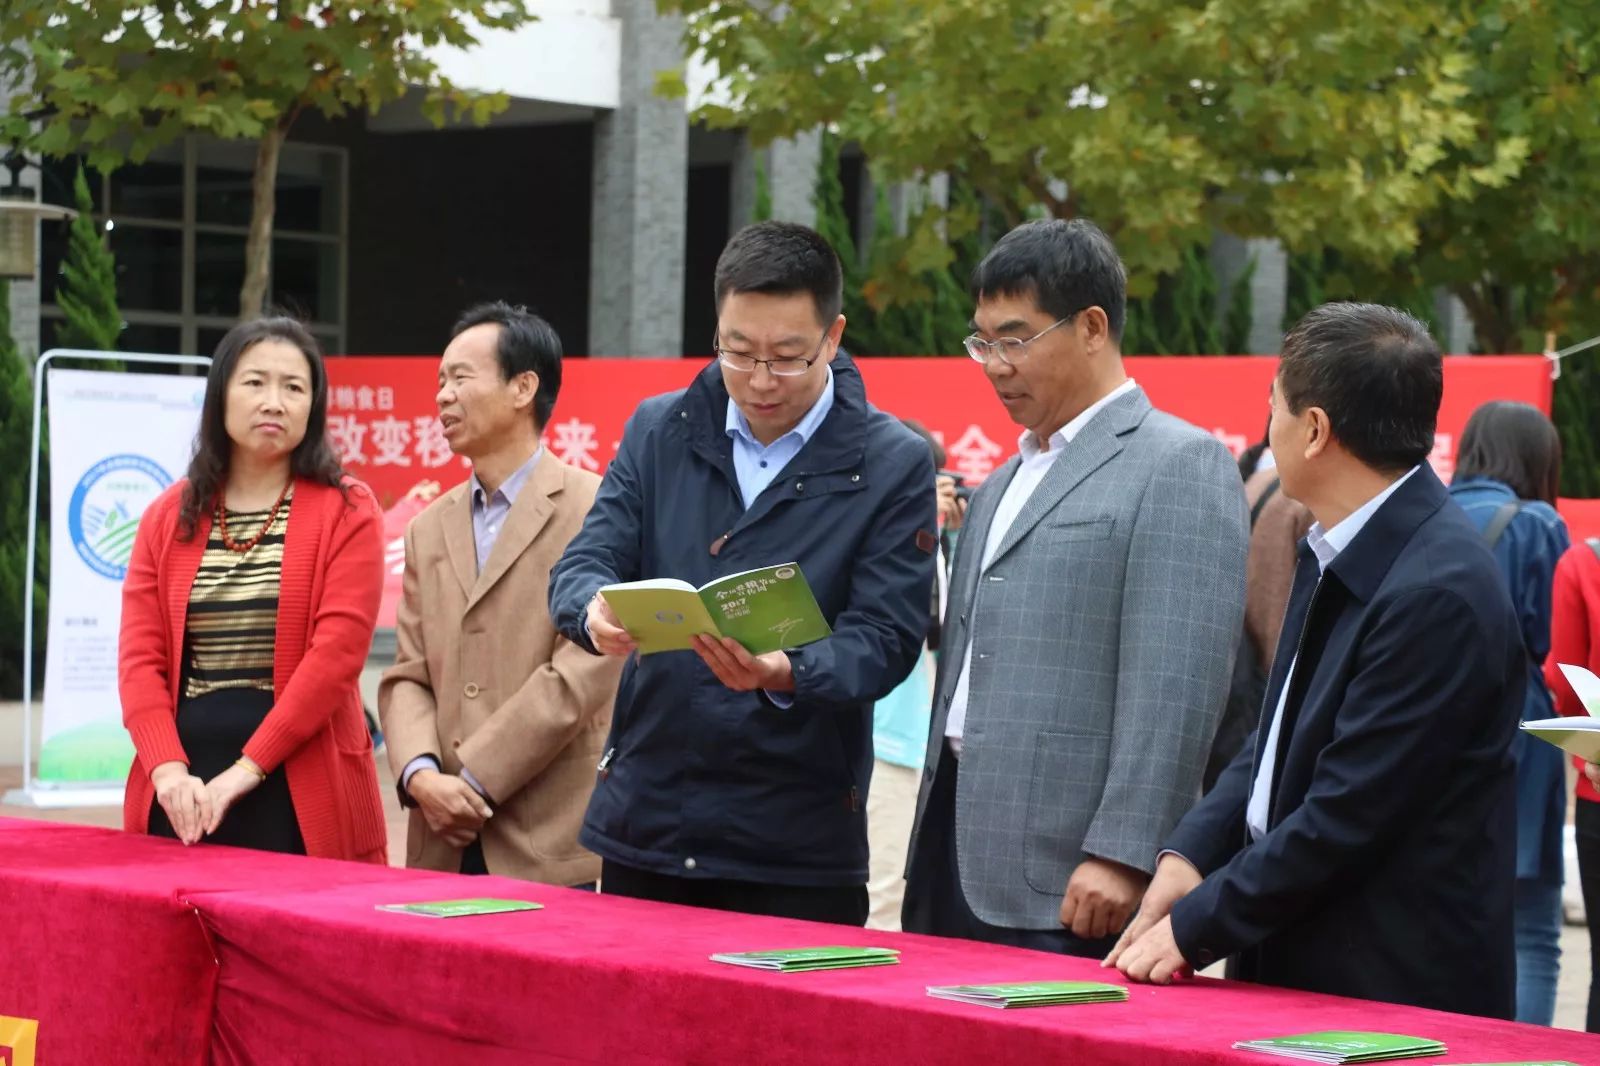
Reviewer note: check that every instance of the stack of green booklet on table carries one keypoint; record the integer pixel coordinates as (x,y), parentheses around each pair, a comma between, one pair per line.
(1339,1046)
(1032,993)
(765,610)
(461,908)
(795,960)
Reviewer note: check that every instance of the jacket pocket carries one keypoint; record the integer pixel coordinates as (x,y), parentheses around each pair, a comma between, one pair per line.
(1090,529)
(1069,772)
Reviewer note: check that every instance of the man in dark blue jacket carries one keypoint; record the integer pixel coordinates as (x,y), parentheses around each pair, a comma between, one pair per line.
(734,781)
(1364,843)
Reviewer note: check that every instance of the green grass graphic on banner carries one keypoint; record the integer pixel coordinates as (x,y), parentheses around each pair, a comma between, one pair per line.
(100,751)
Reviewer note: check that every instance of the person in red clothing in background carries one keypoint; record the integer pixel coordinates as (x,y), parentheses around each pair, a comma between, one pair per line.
(1575,640)
(247,614)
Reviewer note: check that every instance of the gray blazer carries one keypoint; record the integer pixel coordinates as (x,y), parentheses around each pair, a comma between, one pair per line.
(1103,634)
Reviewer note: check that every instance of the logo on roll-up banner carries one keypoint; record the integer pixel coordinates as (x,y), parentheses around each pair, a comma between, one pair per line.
(105,509)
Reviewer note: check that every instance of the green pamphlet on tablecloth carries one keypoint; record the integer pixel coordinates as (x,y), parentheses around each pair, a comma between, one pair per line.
(797,960)
(765,610)
(1341,1046)
(1580,736)
(462,908)
(1032,993)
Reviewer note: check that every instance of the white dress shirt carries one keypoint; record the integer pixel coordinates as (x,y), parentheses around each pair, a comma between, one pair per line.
(1036,463)
(1327,546)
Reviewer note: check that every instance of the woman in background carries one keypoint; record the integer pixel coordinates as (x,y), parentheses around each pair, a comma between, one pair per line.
(1575,640)
(247,615)
(1508,468)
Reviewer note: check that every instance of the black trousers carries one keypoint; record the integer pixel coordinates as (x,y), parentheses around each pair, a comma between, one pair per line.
(1586,825)
(935,903)
(214,729)
(845,905)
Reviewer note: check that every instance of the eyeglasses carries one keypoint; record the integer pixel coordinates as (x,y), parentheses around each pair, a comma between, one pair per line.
(1010,350)
(745,363)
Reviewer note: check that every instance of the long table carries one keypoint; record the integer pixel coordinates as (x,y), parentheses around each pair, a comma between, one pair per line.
(119,943)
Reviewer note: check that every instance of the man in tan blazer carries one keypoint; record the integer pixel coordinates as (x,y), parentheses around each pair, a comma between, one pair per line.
(494,721)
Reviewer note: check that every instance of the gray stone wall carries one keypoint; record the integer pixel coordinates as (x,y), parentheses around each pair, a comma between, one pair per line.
(641,155)
(791,168)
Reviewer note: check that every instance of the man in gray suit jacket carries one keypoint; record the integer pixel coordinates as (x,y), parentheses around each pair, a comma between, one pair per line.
(1094,615)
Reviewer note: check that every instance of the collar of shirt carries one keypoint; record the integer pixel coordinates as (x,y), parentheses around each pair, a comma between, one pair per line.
(509,487)
(1329,543)
(1028,444)
(739,425)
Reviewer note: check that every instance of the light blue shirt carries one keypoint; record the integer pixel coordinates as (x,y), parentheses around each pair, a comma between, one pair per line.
(756,464)
(490,511)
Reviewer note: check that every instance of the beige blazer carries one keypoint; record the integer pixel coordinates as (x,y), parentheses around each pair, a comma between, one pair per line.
(482,679)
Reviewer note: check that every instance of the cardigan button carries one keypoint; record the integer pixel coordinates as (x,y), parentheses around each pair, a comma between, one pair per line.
(471,691)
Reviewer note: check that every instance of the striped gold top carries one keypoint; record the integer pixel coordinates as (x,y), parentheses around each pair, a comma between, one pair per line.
(233,606)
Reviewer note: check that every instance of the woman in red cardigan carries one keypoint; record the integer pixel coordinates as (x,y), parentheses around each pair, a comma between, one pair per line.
(1575,640)
(247,614)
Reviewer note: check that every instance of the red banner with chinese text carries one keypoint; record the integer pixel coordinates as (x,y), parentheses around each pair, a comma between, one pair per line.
(382,415)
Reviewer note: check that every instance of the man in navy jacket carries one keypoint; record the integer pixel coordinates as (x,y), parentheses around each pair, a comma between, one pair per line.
(734,781)
(1364,844)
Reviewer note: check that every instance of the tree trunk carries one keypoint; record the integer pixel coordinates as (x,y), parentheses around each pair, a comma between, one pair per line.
(1490,327)
(258,247)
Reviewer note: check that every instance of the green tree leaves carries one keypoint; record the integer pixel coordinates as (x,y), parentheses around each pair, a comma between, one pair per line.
(116,79)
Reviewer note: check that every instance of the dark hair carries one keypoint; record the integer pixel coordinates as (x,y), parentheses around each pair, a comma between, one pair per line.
(1065,265)
(782,258)
(312,459)
(1250,458)
(934,447)
(1513,443)
(1376,372)
(528,344)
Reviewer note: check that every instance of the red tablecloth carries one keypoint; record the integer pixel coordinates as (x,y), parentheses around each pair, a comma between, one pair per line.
(97,943)
(308,970)
(596,979)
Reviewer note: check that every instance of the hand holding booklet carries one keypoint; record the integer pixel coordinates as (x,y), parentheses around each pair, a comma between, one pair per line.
(770,609)
(1580,736)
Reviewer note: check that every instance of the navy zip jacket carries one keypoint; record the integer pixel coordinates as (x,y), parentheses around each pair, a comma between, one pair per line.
(703,781)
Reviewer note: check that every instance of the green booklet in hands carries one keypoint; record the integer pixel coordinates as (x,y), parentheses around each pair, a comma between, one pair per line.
(769,609)
(1341,1046)
(798,960)
(1032,993)
(461,908)
(1580,736)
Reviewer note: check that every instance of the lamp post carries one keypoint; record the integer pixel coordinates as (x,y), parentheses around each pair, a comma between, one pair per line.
(20,215)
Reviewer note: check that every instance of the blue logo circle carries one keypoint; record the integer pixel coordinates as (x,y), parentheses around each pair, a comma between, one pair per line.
(105,510)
